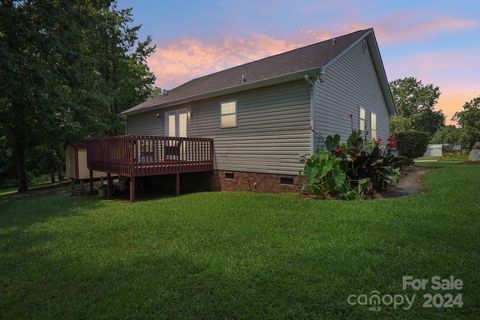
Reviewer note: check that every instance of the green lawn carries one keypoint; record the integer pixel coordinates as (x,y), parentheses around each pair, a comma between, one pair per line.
(238,255)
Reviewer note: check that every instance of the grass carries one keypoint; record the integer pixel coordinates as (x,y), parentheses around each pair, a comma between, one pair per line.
(237,255)
(7,191)
(449,156)
(33,186)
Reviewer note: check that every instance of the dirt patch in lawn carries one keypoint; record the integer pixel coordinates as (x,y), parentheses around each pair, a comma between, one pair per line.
(410,182)
(472,162)
(47,190)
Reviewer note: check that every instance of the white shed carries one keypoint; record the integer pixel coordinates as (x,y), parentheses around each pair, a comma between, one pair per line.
(475,154)
(76,163)
(433,150)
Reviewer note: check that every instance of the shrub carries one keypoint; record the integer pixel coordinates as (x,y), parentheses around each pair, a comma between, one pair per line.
(454,156)
(412,144)
(351,170)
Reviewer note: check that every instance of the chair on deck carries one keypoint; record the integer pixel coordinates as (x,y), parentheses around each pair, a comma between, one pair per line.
(147,152)
(173,151)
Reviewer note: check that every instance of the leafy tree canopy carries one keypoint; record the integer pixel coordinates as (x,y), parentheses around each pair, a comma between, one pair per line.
(67,68)
(412,96)
(415,104)
(469,121)
(447,135)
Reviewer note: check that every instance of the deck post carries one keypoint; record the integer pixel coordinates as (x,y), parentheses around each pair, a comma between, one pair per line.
(91,182)
(109,186)
(132,189)
(177,184)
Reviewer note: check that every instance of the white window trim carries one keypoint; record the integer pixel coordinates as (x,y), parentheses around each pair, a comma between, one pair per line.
(227,114)
(360,118)
(165,120)
(373,132)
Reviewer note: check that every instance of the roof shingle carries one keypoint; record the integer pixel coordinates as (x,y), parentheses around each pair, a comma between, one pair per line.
(301,59)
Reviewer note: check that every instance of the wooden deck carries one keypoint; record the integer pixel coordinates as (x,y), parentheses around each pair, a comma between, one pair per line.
(137,156)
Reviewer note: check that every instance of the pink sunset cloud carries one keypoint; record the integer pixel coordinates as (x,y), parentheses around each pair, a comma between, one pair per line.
(183,59)
(407,27)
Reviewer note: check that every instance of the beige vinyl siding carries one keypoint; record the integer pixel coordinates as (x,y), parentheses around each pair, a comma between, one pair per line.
(271,132)
(349,84)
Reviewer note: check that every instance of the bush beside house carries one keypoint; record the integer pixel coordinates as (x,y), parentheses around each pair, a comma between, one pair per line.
(412,144)
(352,170)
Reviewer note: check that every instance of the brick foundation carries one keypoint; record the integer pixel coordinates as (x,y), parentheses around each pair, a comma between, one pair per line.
(256,182)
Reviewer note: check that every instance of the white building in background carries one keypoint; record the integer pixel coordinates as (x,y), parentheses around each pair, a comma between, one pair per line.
(434,150)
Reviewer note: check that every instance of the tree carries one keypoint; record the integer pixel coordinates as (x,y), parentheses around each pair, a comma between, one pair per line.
(428,121)
(67,68)
(447,135)
(469,121)
(415,104)
(400,123)
(412,96)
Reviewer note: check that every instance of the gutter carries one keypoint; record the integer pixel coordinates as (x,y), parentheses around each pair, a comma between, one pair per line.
(248,86)
(320,71)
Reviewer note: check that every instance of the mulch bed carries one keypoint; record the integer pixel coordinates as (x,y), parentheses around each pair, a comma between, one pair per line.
(410,182)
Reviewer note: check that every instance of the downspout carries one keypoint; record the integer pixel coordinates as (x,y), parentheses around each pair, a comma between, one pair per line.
(321,75)
(312,80)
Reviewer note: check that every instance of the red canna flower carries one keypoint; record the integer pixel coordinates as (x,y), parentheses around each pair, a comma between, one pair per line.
(379,140)
(392,142)
(338,150)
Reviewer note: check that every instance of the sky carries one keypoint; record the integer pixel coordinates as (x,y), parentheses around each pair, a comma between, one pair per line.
(435,41)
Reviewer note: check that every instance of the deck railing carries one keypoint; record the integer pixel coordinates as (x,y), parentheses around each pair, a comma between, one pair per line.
(149,155)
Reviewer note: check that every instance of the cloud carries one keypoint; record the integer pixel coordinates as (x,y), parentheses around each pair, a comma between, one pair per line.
(188,58)
(410,28)
(397,28)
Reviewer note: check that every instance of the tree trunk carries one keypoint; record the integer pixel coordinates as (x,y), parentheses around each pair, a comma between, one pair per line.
(60,172)
(21,166)
(52,177)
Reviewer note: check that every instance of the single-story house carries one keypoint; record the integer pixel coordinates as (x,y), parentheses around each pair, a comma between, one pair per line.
(260,120)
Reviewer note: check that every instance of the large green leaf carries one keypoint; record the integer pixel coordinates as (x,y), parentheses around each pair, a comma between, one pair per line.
(331,142)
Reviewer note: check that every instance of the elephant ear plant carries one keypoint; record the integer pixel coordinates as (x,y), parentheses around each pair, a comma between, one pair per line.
(353,170)
(326,174)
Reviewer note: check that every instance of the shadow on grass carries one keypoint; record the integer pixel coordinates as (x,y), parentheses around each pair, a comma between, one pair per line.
(257,259)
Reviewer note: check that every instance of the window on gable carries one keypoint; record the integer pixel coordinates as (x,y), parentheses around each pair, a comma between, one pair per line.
(361,124)
(373,125)
(228,116)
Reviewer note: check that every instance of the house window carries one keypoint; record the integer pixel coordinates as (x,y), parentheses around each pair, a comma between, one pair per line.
(229,175)
(228,114)
(286,180)
(361,125)
(373,126)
